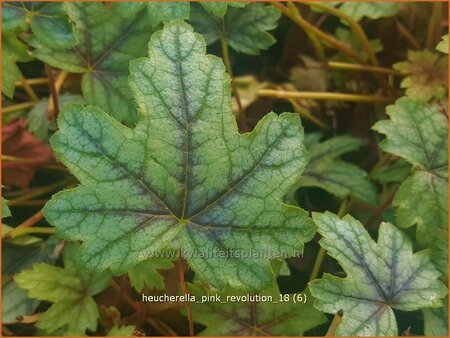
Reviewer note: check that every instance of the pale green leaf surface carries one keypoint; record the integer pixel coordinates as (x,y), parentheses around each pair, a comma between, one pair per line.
(220,8)
(422,200)
(372,10)
(187,172)
(417,132)
(244,29)
(146,273)
(427,75)
(241,318)
(37,120)
(443,45)
(338,177)
(107,43)
(166,11)
(436,321)
(70,289)
(48,22)
(380,277)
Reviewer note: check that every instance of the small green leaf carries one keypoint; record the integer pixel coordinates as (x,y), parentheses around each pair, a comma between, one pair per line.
(49,22)
(422,200)
(166,11)
(5,210)
(102,58)
(427,75)
(244,29)
(121,331)
(350,38)
(380,277)
(69,289)
(338,177)
(220,8)
(13,50)
(16,258)
(392,172)
(183,173)
(417,132)
(436,321)
(372,10)
(146,273)
(253,318)
(443,45)
(37,121)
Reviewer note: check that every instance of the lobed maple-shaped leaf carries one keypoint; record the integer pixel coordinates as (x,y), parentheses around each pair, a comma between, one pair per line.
(381,277)
(48,22)
(70,289)
(340,178)
(183,173)
(146,273)
(253,318)
(107,43)
(427,75)
(417,132)
(244,29)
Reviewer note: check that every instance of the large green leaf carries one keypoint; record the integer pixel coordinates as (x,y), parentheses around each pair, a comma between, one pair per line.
(48,22)
(417,132)
(268,317)
(427,75)
(70,289)
(380,277)
(244,29)
(338,177)
(184,172)
(107,43)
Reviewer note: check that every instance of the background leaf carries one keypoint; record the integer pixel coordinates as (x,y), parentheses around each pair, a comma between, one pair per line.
(417,132)
(69,289)
(102,58)
(380,277)
(244,29)
(338,177)
(254,318)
